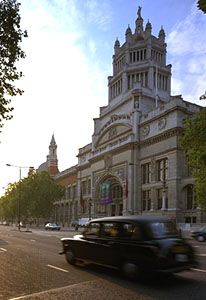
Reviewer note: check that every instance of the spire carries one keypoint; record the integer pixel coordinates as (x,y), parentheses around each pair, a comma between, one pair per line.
(139,22)
(161,35)
(128,33)
(52,157)
(53,142)
(116,46)
(128,30)
(148,28)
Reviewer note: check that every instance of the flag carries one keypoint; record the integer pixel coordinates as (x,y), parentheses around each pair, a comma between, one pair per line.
(106,192)
(126,189)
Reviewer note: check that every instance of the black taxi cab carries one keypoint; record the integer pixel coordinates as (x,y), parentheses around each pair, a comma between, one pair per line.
(132,244)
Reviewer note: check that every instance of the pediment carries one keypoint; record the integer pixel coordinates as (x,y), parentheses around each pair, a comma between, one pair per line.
(112,133)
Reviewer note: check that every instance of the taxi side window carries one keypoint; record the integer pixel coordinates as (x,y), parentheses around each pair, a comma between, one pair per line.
(92,230)
(136,233)
(127,230)
(130,231)
(111,229)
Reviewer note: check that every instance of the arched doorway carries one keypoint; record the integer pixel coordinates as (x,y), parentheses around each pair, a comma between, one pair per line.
(110,197)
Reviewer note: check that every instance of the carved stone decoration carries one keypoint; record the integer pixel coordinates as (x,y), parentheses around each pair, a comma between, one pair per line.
(96,178)
(123,118)
(83,159)
(162,123)
(108,161)
(120,173)
(112,132)
(145,130)
(136,102)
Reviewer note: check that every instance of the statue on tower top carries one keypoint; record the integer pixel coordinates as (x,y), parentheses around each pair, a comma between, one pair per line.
(139,11)
(139,22)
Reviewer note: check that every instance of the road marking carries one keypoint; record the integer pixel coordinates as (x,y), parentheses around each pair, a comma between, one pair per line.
(33,240)
(201,254)
(199,270)
(53,267)
(56,290)
(18,298)
(2,250)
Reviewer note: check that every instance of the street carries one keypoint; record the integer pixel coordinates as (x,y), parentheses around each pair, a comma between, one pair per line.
(31,268)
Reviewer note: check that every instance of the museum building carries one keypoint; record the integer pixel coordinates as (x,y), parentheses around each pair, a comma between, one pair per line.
(134,163)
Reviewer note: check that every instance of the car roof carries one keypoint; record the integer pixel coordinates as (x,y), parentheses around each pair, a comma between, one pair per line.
(133,218)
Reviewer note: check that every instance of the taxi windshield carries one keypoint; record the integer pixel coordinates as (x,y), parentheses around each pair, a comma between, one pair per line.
(163,229)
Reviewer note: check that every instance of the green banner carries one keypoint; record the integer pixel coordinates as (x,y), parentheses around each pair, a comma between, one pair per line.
(106,192)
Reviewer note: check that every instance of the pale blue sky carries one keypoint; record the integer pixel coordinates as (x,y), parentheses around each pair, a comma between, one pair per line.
(69,57)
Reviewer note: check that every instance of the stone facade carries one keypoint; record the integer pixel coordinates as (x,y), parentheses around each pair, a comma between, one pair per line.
(135,149)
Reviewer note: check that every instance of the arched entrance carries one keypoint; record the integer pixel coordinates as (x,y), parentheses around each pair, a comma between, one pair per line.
(109,197)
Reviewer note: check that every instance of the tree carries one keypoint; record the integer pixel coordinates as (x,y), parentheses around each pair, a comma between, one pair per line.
(39,192)
(36,193)
(193,142)
(10,53)
(201,4)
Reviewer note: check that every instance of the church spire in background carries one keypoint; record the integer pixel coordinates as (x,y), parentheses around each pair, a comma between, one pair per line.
(52,158)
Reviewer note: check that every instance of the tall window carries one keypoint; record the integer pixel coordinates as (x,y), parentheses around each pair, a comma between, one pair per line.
(84,187)
(162,169)
(89,186)
(190,201)
(146,173)
(116,192)
(74,191)
(68,193)
(146,200)
(159,198)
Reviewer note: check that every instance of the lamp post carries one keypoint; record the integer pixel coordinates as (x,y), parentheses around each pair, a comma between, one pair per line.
(19,198)
(90,206)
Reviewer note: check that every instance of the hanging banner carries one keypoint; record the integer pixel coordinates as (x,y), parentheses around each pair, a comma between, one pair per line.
(106,192)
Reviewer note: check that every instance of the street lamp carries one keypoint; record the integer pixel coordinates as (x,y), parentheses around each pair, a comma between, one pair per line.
(19,198)
(90,206)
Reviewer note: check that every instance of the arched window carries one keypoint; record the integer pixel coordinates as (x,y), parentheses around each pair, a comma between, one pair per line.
(190,197)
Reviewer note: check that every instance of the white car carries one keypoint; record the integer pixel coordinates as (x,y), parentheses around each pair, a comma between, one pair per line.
(52,226)
(83,222)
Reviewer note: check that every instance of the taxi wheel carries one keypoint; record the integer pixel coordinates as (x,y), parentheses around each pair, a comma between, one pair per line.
(200,238)
(130,270)
(70,257)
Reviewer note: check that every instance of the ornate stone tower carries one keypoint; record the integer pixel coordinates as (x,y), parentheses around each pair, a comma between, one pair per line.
(52,161)
(140,64)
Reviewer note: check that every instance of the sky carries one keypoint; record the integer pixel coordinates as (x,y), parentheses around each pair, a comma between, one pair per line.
(68,59)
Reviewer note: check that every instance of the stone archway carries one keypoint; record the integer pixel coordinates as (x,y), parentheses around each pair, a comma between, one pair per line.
(114,204)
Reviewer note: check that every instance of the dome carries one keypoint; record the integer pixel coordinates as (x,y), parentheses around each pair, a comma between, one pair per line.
(43,167)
